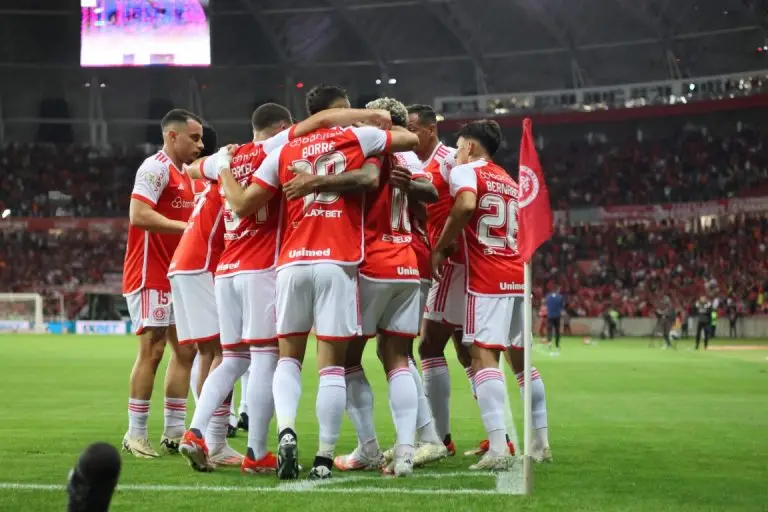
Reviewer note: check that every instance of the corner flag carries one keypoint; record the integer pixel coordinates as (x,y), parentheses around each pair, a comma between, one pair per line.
(535,214)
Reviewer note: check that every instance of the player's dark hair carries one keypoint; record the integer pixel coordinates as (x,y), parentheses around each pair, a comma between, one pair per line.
(321,96)
(178,115)
(426,113)
(487,133)
(269,114)
(210,140)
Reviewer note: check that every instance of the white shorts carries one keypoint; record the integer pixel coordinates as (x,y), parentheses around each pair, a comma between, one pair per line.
(446,299)
(150,308)
(246,304)
(389,307)
(321,294)
(194,307)
(494,322)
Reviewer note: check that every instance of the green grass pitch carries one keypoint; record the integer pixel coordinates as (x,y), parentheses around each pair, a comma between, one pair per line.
(632,428)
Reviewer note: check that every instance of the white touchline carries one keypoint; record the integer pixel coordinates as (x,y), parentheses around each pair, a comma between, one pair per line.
(278,489)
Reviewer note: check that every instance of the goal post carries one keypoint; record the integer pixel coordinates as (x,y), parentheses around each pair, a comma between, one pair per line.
(21,312)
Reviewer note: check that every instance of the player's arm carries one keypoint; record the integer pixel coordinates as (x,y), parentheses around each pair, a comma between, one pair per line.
(418,187)
(143,215)
(151,180)
(265,183)
(463,188)
(365,178)
(402,139)
(342,117)
(463,207)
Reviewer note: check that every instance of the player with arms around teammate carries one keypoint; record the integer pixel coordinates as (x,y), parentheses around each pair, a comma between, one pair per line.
(444,311)
(161,202)
(245,284)
(484,217)
(321,245)
(390,305)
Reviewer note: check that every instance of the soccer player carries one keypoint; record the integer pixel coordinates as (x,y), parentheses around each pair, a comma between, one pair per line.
(320,248)
(390,308)
(445,302)
(485,208)
(245,284)
(161,202)
(484,214)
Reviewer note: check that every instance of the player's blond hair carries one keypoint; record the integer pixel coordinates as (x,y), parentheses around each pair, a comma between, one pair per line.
(396,109)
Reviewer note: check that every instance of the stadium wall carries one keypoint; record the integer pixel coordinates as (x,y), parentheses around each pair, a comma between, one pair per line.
(747,327)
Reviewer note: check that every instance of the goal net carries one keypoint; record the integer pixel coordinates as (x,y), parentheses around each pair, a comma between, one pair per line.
(21,312)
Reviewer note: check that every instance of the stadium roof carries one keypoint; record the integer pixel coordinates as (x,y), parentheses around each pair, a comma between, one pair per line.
(480,45)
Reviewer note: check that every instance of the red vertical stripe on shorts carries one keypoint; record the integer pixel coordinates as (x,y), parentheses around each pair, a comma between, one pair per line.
(442,290)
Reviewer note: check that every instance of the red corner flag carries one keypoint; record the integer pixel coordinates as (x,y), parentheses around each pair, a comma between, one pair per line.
(535,215)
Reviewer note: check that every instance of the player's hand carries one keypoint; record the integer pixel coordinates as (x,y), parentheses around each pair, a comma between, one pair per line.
(438,265)
(400,177)
(302,184)
(382,118)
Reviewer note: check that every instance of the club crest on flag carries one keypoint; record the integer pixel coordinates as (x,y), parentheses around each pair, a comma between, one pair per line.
(529,186)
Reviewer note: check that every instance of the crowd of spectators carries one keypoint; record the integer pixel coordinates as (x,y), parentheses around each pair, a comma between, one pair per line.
(58,264)
(632,268)
(691,165)
(46,180)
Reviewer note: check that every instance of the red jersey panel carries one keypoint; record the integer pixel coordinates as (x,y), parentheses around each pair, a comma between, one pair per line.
(388,251)
(494,266)
(438,168)
(148,255)
(322,227)
(250,243)
(203,240)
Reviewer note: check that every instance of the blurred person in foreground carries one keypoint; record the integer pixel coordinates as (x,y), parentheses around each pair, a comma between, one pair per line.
(93,480)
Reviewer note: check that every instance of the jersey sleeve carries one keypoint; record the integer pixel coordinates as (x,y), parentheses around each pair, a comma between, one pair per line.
(462,179)
(372,140)
(278,140)
(151,179)
(268,174)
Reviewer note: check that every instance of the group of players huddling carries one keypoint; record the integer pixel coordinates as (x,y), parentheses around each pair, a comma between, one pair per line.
(351,223)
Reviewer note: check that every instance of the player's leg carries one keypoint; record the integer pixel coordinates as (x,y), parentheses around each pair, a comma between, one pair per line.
(336,311)
(367,454)
(194,377)
(259,332)
(699,328)
(150,319)
(487,332)
(374,297)
(465,358)
(398,325)
(242,410)
(176,391)
(294,321)
(515,357)
(207,430)
(444,312)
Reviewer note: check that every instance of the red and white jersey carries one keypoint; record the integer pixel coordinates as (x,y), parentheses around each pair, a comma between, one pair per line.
(323,227)
(438,168)
(494,266)
(388,238)
(148,255)
(203,239)
(250,243)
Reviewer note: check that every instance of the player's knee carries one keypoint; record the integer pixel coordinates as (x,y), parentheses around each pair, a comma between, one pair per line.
(184,354)
(515,358)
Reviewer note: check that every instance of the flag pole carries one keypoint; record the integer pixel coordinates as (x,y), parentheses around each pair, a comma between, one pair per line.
(527,364)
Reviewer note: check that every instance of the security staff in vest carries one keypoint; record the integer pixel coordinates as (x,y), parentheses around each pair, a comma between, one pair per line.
(703,311)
